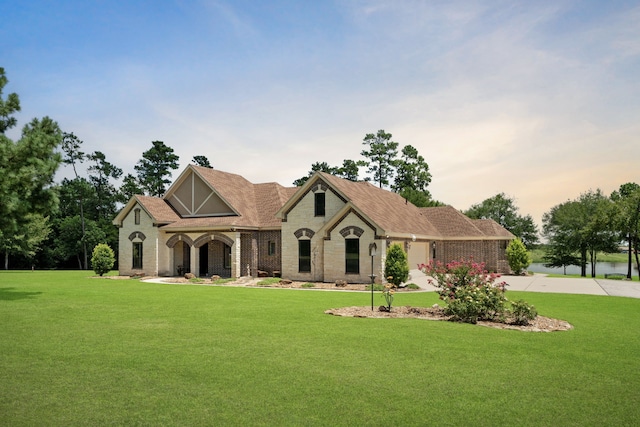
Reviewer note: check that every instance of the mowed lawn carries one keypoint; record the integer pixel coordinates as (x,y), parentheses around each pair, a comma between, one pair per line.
(76,350)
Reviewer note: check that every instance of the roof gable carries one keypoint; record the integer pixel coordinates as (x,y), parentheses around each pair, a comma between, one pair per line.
(193,196)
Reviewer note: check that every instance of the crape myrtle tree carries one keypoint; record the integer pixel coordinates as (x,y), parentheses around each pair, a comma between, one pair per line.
(503,210)
(154,169)
(27,169)
(627,202)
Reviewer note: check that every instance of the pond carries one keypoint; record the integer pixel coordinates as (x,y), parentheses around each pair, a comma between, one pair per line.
(601,268)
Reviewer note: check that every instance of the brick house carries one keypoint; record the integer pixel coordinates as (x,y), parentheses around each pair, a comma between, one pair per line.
(216,223)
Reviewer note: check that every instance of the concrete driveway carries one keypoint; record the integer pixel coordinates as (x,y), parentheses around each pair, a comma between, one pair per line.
(542,283)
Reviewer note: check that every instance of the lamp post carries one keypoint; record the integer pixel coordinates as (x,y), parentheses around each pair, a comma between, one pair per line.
(372,253)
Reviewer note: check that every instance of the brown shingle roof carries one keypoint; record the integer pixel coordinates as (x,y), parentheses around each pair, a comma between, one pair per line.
(158,208)
(256,204)
(451,223)
(388,210)
(491,228)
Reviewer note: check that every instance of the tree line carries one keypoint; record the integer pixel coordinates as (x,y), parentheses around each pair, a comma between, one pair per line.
(57,225)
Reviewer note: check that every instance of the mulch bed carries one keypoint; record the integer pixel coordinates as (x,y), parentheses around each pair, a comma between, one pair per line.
(539,324)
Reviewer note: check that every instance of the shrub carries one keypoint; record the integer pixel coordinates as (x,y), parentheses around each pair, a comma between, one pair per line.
(522,312)
(471,293)
(518,256)
(308,285)
(102,259)
(396,266)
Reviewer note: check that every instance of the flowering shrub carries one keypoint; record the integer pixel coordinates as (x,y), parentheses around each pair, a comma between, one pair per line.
(470,291)
(522,312)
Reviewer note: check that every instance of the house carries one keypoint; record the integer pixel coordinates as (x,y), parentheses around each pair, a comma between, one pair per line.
(212,222)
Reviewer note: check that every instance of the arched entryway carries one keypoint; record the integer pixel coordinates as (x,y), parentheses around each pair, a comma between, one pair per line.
(214,253)
(181,245)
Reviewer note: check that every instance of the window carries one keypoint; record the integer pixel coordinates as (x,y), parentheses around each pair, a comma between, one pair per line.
(352,256)
(271,248)
(137,255)
(304,256)
(319,204)
(227,256)
(136,214)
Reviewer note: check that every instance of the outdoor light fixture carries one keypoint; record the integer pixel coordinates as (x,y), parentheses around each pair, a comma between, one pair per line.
(372,253)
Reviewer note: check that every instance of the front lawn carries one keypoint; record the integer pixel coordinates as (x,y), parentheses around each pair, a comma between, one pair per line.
(85,351)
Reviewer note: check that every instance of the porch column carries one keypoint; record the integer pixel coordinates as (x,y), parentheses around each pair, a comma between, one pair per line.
(236,259)
(192,259)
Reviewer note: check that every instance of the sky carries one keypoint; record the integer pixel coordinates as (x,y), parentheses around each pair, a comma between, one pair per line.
(539,100)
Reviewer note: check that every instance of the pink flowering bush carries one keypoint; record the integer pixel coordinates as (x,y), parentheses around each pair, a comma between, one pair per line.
(470,291)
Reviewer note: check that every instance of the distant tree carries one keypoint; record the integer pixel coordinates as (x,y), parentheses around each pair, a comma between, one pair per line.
(518,256)
(101,174)
(202,161)
(627,201)
(381,156)
(560,255)
(503,210)
(421,199)
(316,167)
(396,266)
(350,169)
(8,107)
(71,148)
(584,226)
(102,259)
(129,188)
(412,172)
(70,241)
(154,169)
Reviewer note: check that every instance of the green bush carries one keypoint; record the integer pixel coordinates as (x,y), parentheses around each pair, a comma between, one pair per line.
(518,256)
(396,266)
(102,259)
(523,312)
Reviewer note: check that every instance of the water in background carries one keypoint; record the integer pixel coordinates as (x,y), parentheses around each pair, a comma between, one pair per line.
(601,268)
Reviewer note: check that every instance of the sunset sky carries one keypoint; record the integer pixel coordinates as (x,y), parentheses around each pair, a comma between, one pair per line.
(536,99)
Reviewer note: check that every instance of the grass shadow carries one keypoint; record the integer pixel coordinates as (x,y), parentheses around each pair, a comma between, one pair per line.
(10,294)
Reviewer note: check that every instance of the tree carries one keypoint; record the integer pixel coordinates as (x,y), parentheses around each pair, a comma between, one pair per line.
(518,256)
(316,167)
(381,155)
(102,259)
(70,242)
(412,172)
(101,172)
(155,168)
(627,201)
(396,266)
(202,161)
(27,241)
(350,169)
(72,154)
(584,226)
(503,210)
(7,107)
(559,255)
(129,188)
(28,167)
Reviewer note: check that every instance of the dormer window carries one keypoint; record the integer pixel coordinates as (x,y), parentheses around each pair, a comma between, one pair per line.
(319,203)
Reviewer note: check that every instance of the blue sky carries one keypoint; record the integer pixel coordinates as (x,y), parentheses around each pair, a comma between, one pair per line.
(536,99)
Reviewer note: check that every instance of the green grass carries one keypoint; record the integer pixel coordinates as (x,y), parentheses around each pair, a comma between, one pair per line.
(537,256)
(82,351)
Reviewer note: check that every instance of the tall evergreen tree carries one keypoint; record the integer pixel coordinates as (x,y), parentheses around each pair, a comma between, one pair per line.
(381,156)
(202,161)
(154,169)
